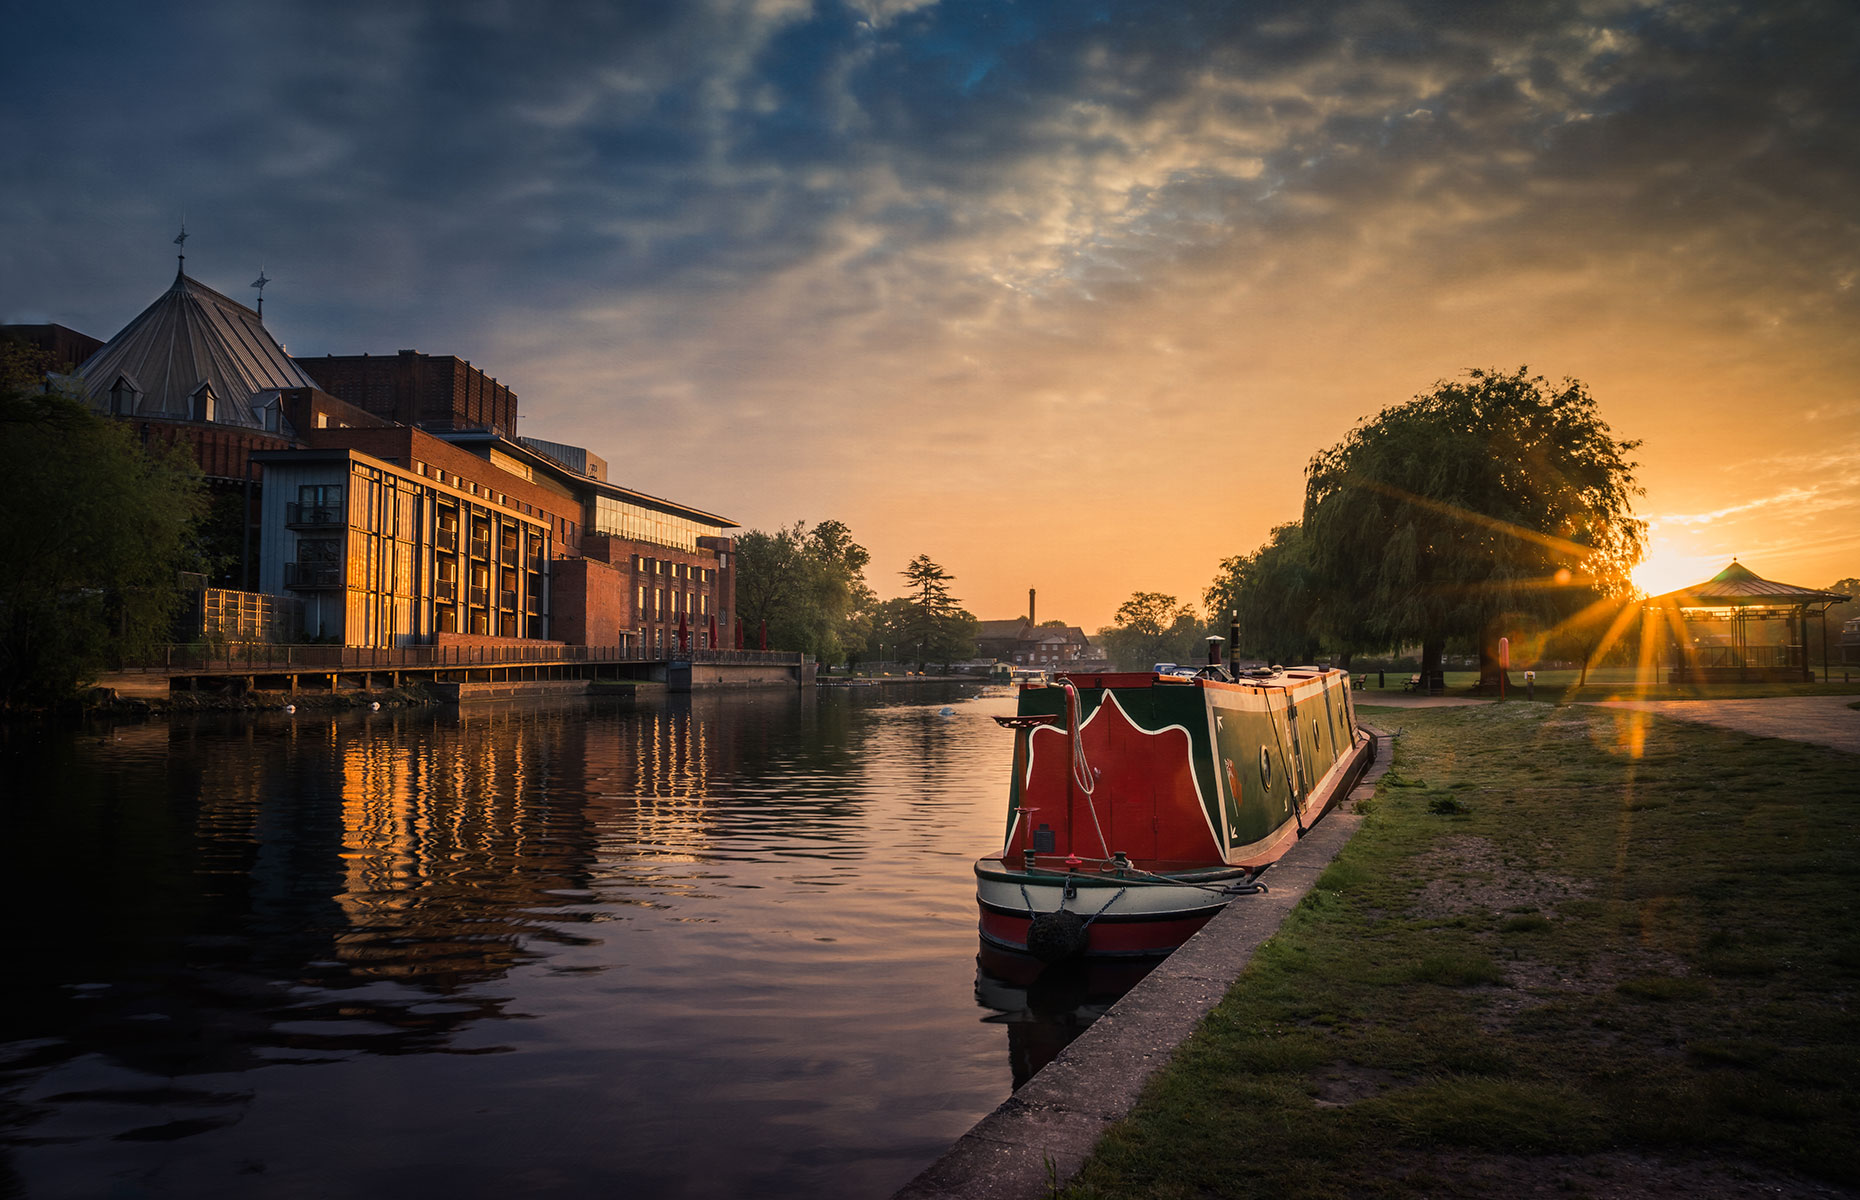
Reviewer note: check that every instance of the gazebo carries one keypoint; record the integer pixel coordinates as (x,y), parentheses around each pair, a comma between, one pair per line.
(1712,627)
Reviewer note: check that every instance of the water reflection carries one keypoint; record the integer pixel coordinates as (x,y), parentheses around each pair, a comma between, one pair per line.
(551,947)
(1046,1007)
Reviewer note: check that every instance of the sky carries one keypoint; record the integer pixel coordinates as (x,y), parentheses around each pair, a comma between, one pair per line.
(1063,295)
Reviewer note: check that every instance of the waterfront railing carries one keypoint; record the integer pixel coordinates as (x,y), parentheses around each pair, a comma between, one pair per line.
(258,657)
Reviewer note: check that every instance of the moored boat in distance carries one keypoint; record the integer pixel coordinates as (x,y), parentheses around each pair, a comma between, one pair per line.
(1142,803)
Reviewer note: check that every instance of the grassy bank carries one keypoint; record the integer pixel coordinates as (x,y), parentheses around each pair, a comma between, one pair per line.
(1572,951)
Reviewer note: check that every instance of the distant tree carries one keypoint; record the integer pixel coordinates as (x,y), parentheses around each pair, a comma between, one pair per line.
(808,585)
(1489,500)
(1273,596)
(23,366)
(940,629)
(1836,616)
(97,531)
(1151,628)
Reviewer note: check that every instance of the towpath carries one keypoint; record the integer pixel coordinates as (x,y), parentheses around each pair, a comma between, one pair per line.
(1042,1134)
(1820,720)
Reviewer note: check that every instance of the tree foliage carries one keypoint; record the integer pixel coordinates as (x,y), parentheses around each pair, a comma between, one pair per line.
(937,628)
(98,530)
(1493,500)
(1273,596)
(808,585)
(1151,628)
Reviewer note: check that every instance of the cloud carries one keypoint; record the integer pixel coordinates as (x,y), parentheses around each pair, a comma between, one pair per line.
(959,238)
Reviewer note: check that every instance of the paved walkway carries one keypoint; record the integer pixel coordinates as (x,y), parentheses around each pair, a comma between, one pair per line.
(1819,720)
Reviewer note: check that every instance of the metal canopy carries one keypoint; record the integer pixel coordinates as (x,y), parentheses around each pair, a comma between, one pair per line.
(1733,598)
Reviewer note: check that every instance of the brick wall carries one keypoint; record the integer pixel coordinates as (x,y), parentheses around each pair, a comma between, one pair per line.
(589,602)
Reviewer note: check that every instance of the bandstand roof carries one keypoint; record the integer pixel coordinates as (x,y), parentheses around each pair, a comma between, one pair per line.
(1737,586)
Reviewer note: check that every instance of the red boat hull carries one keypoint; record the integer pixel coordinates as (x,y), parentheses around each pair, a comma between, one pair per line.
(1106,937)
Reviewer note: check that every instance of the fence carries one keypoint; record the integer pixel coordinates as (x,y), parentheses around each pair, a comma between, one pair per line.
(255,657)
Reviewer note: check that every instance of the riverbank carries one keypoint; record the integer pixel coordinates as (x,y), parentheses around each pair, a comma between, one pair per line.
(1572,951)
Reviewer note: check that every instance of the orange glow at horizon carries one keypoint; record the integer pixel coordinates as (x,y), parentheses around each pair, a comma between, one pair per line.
(1667,568)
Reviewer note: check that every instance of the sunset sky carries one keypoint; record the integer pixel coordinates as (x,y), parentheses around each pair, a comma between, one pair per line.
(1062,295)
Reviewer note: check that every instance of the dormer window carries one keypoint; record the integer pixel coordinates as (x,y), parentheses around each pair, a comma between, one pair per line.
(201,403)
(125,397)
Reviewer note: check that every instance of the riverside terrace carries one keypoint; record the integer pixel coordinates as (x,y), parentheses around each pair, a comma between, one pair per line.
(453,672)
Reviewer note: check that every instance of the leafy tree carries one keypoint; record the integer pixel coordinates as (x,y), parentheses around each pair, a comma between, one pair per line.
(1273,596)
(1490,500)
(23,366)
(808,585)
(939,629)
(1151,628)
(892,622)
(89,562)
(1836,616)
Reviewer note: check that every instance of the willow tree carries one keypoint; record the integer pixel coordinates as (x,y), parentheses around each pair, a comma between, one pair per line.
(1488,505)
(1272,597)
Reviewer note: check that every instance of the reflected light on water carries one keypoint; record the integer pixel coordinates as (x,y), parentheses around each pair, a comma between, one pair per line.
(554,948)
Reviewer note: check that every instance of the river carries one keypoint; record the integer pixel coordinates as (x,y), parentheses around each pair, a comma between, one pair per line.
(691,946)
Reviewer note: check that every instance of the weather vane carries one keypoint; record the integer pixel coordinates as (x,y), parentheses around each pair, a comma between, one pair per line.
(181,241)
(260,283)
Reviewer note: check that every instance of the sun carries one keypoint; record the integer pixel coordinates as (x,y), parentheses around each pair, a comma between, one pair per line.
(1666,569)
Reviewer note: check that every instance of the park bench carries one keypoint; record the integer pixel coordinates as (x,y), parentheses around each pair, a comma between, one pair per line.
(1413,684)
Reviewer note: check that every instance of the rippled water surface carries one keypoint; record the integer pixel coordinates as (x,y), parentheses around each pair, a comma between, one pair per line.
(710,946)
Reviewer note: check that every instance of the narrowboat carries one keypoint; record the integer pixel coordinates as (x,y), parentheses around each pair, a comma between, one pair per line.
(1142,803)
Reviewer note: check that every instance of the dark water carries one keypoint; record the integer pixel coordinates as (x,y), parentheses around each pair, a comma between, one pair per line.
(691,947)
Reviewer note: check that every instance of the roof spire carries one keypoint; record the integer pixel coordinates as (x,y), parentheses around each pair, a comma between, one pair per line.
(181,241)
(260,283)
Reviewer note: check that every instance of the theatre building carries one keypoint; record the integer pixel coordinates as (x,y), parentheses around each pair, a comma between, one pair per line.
(395,537)
(391,496)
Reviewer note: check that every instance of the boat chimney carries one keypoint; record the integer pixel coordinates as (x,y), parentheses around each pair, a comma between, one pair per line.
(1031,619)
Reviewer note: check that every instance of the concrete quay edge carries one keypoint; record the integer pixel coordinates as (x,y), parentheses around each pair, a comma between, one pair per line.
(1039,1138)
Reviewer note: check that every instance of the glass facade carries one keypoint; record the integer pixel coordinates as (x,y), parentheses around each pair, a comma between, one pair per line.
(617,518)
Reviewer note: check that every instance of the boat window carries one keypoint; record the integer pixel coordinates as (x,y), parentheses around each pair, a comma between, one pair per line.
(1265,767)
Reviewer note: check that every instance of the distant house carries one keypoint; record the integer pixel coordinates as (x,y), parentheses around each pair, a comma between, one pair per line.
(1022,643)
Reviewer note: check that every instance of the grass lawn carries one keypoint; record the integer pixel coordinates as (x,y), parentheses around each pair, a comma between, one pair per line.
(1572,951)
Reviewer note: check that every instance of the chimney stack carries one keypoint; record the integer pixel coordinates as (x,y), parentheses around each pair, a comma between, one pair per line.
(1031,619)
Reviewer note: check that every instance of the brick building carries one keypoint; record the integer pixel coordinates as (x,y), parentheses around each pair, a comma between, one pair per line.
(435,392)
(391,495)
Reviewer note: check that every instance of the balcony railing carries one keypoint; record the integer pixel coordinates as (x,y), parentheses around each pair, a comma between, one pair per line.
(313,516)
(312,576)
(481,547)
(446,540)
(507,599)
(446,590)
(480,597)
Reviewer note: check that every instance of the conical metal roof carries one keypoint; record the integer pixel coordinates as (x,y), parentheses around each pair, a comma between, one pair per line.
(1737,586)
(190,336)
